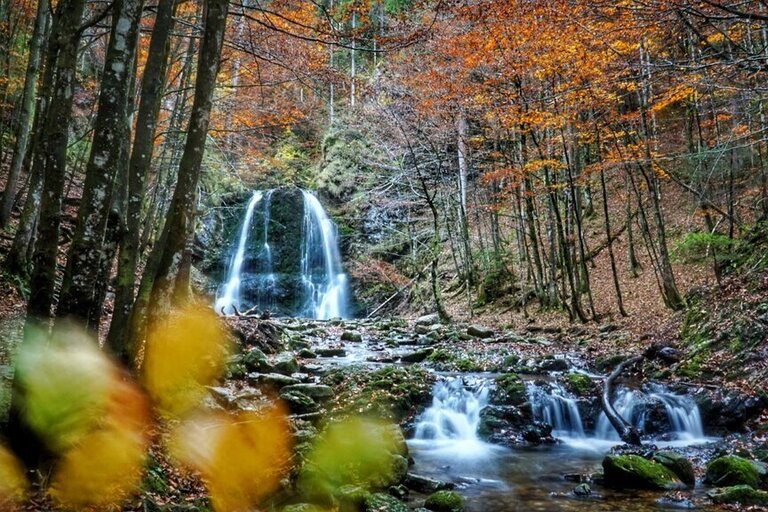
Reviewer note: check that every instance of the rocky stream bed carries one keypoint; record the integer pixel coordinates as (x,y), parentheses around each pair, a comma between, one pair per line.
(504,455)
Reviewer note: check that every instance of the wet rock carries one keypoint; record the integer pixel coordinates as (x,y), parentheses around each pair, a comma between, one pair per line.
(732,470)
(352,336)
(417,356)
(256,361)
(380,502)
(678,464)
(675,502)
(302,507)
(430,319)
(579,384)
(553,365)
(398,491)
(352,496)
(509,390)
(272,380)
(669,354)
(331,352)
(479,331)
(426,485)
(739,494)
(285,363)
(582,490)
(298,402)
(444,501)
(307,354)
(538,432)
(317,392)
(636,472)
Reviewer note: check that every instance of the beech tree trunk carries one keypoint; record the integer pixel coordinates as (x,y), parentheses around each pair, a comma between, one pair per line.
(180,223)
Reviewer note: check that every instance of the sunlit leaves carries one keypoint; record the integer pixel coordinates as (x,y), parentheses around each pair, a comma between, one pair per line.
(356,451)
(242,457)
(87,412)
(13,484)
(185,352)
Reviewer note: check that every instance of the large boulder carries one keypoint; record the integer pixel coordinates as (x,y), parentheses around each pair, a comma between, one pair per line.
(678,464)
(636,472)
(444,501)
(739,494)
(732,470)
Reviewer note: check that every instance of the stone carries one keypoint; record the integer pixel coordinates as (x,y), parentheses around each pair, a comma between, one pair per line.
(307,354)
(582,490)
(426,485)
(256,361)
(331,352)
(444,501)
(302,507)
(430,319)
(353,495)
(380,502)
(298,402)
(741,494)
(553,365)
(317,392)
(732,470)
(679,465)
(286,363)
(479,331)
(352,336)
(273,380)
(537,432)
(417,356)
(636,472)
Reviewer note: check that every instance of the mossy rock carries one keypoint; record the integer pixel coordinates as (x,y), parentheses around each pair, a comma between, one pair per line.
(302,507)
(445,501)
(352,495)
(510,389)
(636,472)
(732,470)
(256,361)
(741,494)
(380,502)
(679,465)
(579,384)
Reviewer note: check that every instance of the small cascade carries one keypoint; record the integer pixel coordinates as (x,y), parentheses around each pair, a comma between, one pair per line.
(555,406)
(285,259)
(451,422)
(321,272)
(230,298)
(630,405)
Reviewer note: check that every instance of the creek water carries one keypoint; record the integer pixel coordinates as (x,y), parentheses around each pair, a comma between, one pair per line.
(446,446)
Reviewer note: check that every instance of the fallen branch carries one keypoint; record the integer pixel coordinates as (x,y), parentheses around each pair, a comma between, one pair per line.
(627,432)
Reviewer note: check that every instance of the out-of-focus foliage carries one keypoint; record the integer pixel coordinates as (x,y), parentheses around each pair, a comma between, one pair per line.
(186,351)
(13,484)
(86,410)
(356,451)
(242,456)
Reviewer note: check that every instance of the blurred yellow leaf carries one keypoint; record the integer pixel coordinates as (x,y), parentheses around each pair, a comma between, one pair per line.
(13,484)
(65,384)
(102,470)
(185,352)
(242,457)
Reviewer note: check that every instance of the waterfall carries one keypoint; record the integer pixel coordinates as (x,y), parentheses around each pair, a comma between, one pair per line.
(286,261)
(321,271)
(230,298)
(629,405)
(450,423)
(555,406)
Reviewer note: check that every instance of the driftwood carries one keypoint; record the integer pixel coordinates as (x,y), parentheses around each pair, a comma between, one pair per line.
(627,432)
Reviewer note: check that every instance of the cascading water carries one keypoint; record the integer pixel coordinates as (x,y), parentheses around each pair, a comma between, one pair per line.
(558,408)
(321,271)
(229,300)
(449,425)
(285,262)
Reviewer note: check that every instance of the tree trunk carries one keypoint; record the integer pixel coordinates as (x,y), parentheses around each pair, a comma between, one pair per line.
(627,432)
(86,253)
(152,85)
(26,112)
(180,224)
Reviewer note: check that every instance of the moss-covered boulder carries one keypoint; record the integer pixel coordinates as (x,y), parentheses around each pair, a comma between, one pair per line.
(380,502)
(739,494)
(256,361)
(678,464)
(579,384)
(445,501)
(732,470)
(636,472)
(509,390)
(352,496)
(302,507)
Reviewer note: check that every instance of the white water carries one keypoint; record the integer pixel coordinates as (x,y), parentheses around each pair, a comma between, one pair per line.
(321,272)
(230,298)
(448,428)
(555,406)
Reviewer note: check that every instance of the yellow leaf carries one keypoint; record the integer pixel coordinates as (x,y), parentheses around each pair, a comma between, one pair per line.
(13,484)
(242,457)
(185,352)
